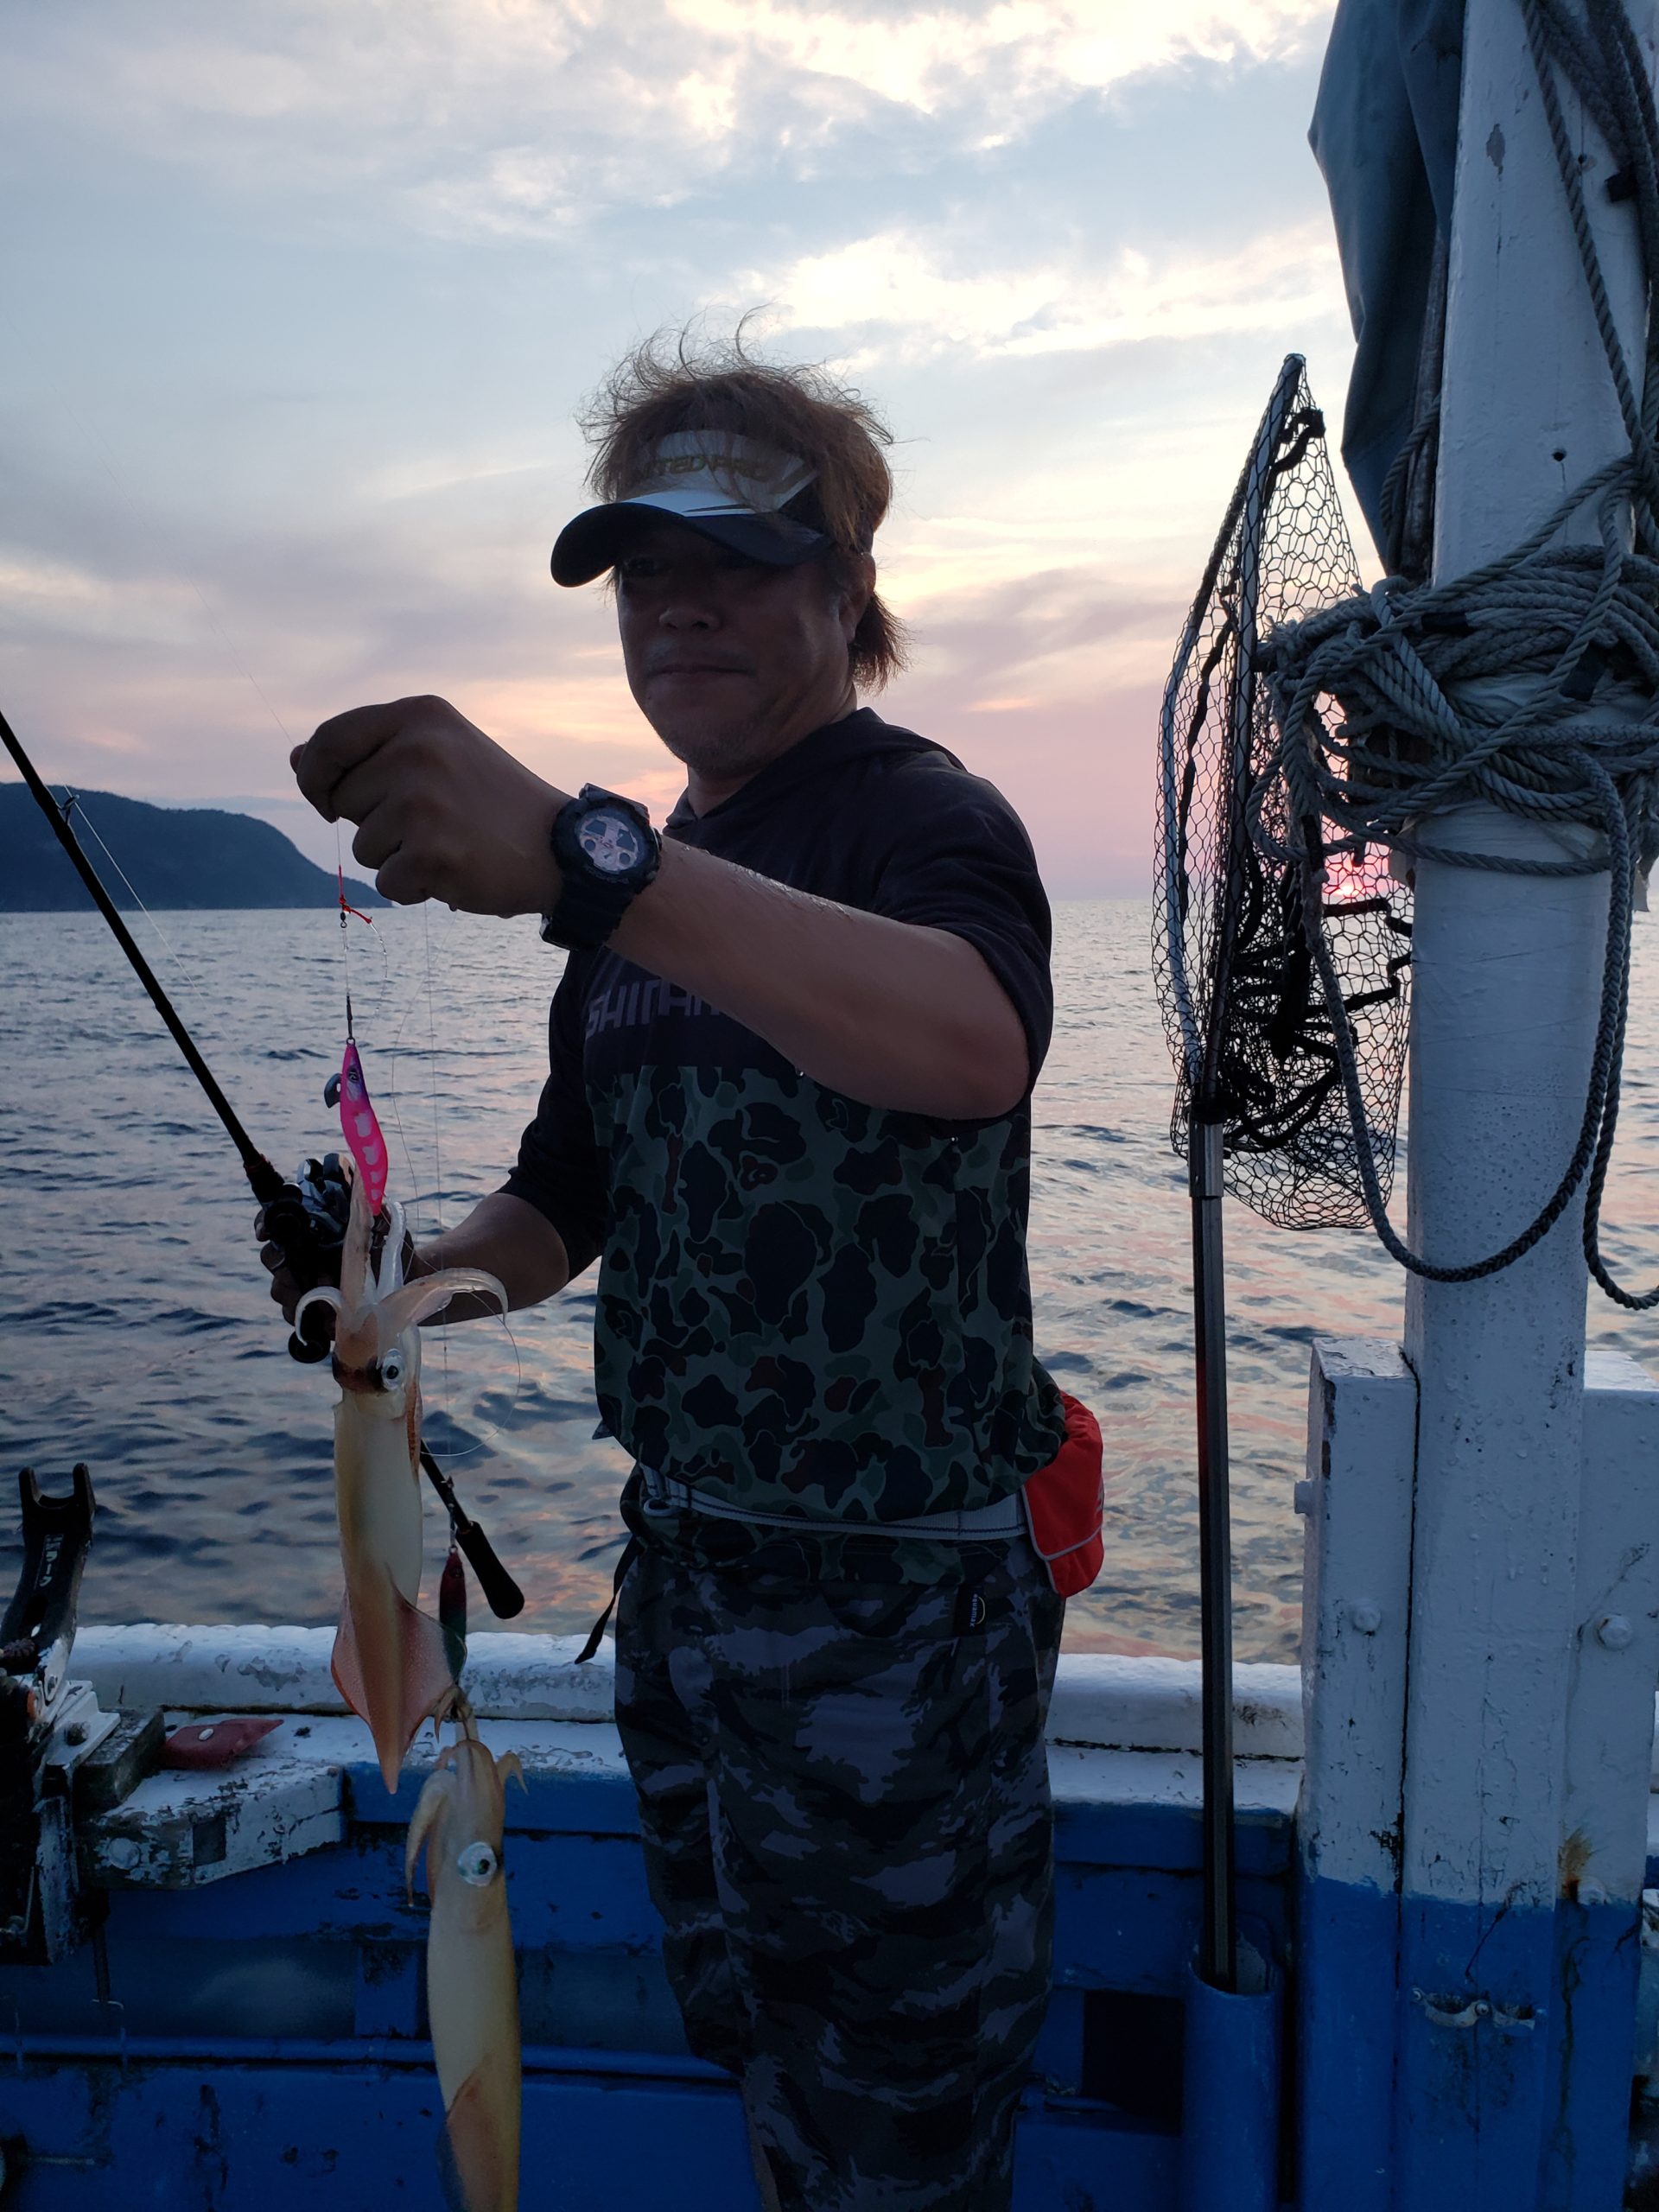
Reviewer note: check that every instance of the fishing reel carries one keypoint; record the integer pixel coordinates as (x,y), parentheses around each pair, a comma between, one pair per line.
(307,1218)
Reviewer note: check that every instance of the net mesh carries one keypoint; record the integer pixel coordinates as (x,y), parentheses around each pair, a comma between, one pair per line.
(1242,1004)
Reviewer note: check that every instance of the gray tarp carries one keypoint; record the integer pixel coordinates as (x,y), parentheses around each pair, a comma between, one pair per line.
(1385,136)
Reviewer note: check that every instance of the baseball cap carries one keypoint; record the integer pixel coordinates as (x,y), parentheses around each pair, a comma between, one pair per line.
(729,488)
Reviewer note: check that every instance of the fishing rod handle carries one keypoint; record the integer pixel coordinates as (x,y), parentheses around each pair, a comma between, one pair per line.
(501,1594)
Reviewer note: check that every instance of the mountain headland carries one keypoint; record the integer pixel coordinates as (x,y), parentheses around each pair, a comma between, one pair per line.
(172,856)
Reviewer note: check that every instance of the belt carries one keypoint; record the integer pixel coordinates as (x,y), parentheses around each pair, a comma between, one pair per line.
(985,1524)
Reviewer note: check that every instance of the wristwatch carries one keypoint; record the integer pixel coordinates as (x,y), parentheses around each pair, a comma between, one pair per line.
(607,852)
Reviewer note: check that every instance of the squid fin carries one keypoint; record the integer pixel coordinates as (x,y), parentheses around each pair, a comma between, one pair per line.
(508,1768)
(411,1683)
(478,2158)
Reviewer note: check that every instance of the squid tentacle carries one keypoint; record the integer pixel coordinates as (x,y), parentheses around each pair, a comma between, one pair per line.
(324,1294)
(388,1275)
(412,1305)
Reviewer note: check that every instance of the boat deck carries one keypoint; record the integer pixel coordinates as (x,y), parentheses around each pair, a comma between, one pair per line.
(251,2023)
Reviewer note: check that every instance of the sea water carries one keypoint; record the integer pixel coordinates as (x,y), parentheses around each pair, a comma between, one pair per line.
(135,1332)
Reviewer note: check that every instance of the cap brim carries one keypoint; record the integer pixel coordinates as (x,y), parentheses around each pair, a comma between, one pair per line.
(596,540)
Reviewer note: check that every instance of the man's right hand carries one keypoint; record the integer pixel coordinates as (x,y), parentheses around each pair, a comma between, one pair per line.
(302,1232)
(286,1286)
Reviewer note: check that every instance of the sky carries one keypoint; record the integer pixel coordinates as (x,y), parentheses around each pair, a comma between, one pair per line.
(301,300)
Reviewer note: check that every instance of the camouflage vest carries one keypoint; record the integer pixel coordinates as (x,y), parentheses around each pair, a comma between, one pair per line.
(805,1303)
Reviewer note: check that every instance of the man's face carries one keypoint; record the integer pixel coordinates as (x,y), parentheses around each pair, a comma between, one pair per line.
(731,662)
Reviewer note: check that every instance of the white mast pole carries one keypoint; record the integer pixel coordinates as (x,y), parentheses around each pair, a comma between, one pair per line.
(1506,976)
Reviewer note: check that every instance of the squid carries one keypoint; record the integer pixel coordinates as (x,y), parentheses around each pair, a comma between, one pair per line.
(390,1662)
(471,1993)
(394,1665)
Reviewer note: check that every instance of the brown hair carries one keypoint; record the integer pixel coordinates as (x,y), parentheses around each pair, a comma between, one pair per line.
(686,382)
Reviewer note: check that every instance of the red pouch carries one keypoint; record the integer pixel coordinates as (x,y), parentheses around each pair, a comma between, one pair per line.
(1065,1504)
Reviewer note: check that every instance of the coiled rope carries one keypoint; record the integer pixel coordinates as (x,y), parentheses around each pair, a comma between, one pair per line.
(1531,684)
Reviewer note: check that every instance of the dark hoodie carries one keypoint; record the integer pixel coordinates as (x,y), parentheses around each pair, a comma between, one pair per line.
(807,1305)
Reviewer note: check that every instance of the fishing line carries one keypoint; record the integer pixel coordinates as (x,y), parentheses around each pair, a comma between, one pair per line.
(432,1071)
(487,1431)
(73,803)
(483,1430)
(346,912)
(395,1055)
(150,535)
(89,439)
(444,1400)
(267,1183)
(437,1149)
(344,925)
(394,1108)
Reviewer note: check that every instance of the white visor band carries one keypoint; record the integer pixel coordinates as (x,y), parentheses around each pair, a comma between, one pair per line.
(715,472)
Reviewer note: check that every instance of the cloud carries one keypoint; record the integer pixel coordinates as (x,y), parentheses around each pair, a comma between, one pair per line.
(1022,636)
(1009,64)
(527,117)
(49,581)
(77,607)
(905,294)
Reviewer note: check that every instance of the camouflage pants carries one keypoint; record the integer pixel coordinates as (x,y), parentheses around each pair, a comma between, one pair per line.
(843,1792)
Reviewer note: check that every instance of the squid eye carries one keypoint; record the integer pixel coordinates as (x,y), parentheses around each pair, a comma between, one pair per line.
(391,1369)
(477,1864)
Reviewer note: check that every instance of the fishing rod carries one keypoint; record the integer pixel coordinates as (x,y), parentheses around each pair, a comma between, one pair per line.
(287,1219)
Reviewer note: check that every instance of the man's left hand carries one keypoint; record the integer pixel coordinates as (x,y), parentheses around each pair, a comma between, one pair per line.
(443,811)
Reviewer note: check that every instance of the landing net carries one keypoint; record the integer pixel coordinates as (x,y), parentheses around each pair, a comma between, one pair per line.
(1243,1007)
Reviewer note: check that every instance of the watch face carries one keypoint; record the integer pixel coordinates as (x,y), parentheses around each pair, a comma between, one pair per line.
(612,841)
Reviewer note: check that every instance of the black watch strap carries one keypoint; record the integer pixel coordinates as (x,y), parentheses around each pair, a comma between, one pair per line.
(587,913)
(593,898)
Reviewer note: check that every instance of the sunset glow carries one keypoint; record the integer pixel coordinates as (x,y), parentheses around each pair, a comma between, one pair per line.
(303,298)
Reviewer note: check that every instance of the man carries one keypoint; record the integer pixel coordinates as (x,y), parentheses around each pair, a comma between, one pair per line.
(790,1054)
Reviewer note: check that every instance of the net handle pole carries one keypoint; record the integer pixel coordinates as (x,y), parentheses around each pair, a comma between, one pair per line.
(1218,1930)
(1206,1173)
(264,1178)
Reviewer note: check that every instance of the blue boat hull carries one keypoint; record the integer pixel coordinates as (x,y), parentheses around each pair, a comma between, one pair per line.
(260,2040)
